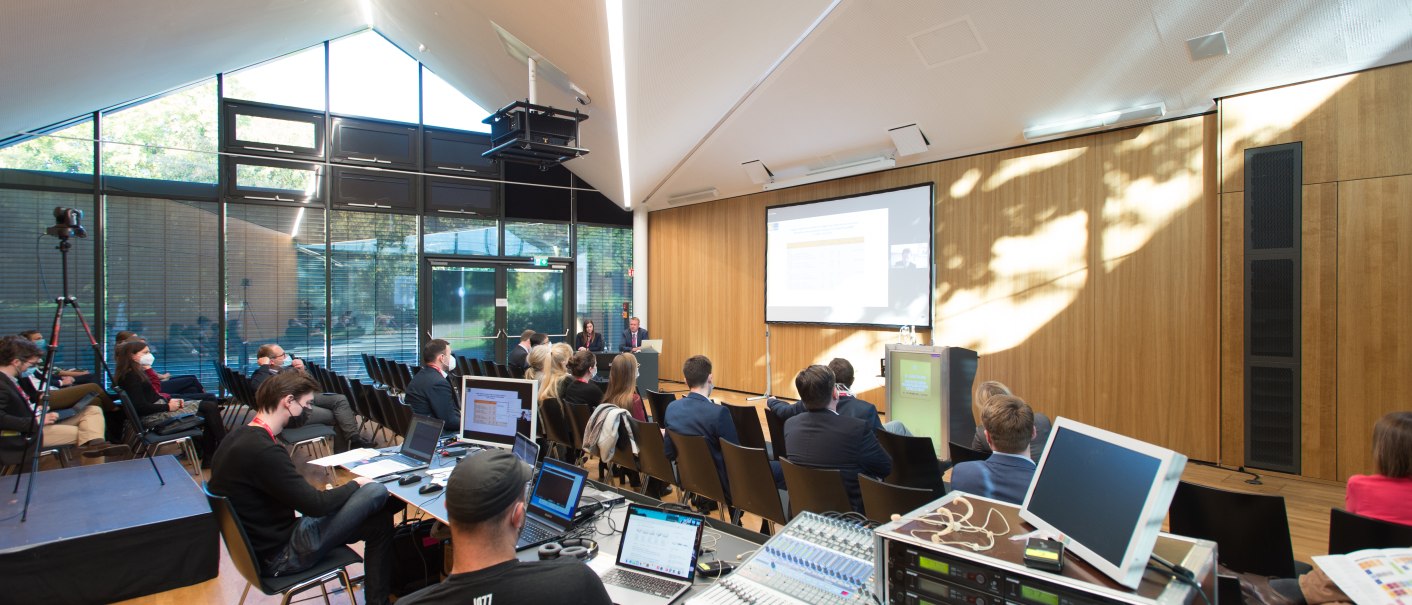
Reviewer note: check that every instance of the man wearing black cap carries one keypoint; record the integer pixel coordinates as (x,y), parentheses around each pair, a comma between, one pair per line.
(485,503)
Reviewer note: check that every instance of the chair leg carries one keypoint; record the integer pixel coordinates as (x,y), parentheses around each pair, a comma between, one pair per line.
(244,593)
(347,586)
(324,587)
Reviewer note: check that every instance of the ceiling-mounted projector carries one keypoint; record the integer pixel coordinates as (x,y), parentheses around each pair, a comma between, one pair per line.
(534,134)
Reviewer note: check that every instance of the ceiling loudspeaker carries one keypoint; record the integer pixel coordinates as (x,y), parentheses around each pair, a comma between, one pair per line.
(1207,46)
(908,140)
(694,196)
(758,172)
(1102,120)
(834,172)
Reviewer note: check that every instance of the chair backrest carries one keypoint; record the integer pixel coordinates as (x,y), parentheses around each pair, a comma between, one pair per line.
(237,543)
(622,454)
(696,467)
(776,426)
(914,462)
(657,404)
(578,417)
(1349,532)
(368,393)
(752,482)
(882,500)
(747,425)
(353,390)
(488,366)
(384,372)
(961,453)
(556,423)
(463,366)
(475,367)
(817,490)
(652,451)
(1251,531)
(134,421)
(402,416)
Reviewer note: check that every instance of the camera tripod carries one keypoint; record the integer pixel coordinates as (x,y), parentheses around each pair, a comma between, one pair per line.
(59,304)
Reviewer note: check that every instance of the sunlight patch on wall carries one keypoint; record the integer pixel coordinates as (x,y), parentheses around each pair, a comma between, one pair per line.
(1008,170)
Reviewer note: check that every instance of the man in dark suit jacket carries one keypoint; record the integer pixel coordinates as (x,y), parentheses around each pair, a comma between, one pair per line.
(17,412)
(632,337)
(696,414)
(822,438)
(429,393)
(1006,474)
(519,356)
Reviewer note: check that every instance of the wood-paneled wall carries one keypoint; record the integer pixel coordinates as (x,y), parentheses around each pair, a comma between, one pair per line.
(1356,132)
(1084,271)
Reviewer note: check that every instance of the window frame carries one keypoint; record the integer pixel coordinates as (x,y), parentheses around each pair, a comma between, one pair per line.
(411,160)
(407,206)
(437,166)
(235,193)
(230,110)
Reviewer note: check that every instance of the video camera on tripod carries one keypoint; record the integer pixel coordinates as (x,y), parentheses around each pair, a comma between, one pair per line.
(67,223)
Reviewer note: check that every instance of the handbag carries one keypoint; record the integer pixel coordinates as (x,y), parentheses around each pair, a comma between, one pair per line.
(178,424)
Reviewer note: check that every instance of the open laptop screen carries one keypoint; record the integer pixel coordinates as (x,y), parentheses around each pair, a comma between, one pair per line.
(661,542)
(556,490)
(526,450)
(422,438)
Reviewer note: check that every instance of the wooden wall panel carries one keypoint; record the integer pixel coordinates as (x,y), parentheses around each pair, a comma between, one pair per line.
(1319,332)
(1374,125)
(1233,329)
(1374,326)
(1304,112)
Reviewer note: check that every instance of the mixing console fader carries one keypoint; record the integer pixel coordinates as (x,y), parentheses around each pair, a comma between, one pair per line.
(814,559)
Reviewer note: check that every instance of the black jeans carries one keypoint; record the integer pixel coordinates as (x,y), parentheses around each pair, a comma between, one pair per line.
(365,517)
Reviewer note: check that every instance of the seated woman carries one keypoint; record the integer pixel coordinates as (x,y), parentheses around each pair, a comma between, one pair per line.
(622,386)
(576,388)
(589,339)
(152,407)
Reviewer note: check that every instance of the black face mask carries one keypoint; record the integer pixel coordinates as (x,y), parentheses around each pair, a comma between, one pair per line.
(298,421)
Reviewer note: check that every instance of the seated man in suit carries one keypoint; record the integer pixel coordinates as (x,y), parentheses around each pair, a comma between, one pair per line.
(696,414)
(1006,474)
(632,337)
(823,438)
(1042,424)
(329,408)
(848,405)
(519,356)
(429,393)
(19,409)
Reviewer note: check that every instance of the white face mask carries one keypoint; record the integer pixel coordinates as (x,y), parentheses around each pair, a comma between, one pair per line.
(147,359)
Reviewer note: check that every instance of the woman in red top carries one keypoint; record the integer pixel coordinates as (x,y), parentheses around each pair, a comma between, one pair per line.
(1386,495)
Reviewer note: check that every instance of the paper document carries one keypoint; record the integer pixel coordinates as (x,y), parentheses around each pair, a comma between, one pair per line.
(379,468)
(357,455)
(1368,577)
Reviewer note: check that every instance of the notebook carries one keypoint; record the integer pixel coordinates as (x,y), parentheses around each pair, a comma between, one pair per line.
(656,556)
(552,503)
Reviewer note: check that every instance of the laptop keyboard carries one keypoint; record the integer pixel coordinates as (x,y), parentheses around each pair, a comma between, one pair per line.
(534,532)
(641,582)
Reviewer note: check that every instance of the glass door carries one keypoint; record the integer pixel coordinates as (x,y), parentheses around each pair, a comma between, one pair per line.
(481,308)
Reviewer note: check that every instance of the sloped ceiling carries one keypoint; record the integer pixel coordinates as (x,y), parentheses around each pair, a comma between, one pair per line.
(798,85)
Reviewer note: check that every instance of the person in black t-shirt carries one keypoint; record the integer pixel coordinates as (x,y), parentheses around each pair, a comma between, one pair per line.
(485,504)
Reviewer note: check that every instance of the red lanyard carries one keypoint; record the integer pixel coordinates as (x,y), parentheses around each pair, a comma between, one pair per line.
(261,423)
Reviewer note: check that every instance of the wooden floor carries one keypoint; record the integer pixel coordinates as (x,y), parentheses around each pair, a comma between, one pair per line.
(1307,501)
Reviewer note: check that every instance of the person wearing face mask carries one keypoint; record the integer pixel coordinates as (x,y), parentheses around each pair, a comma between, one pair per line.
(19,410)
(152,407)
(696,414)
(429,393)
(256,473)
(62,377)
(330,409)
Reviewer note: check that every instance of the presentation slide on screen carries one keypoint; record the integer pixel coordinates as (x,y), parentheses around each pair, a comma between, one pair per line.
(858,260)
(492,411)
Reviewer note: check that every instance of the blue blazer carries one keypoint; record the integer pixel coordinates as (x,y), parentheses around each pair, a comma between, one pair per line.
(626,344)
(430,394)
(697,415)
(1000,477)
(824,439)
(847,406)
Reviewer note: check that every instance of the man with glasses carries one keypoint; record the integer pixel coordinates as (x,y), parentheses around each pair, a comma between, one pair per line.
(329,408)
(19,410)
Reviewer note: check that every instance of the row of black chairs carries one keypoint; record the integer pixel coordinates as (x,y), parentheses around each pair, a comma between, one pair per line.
(466,366)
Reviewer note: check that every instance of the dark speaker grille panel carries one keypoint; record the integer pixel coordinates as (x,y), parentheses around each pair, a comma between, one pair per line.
(1272,308)
(1272,419)
(1272,190)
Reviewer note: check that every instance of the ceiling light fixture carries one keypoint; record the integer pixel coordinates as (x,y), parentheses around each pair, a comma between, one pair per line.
(618,60)
(1102,120)
(834,172)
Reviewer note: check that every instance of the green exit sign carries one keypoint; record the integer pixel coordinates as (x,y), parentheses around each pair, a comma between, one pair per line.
(541,261)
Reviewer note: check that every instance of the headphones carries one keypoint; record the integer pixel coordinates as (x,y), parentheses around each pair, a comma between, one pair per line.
(582,549)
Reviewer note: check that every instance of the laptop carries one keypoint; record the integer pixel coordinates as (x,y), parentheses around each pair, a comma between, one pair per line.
(656,556)
(552,503)
(417,448)
(652,345)
(526,450)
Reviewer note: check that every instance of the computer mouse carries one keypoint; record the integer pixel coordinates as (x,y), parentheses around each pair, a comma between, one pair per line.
(429,488)
(409,479)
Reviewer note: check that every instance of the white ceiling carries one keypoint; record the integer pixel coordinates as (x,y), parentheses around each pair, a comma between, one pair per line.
(799,85)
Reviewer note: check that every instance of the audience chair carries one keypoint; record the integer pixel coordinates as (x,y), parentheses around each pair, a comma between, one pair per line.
(146,443)
(652,452)
(578,416)
(19,462)
(1251,530)
(623,458)
(753,486)
(961,453)
(558,427)
(747,425)
(476,370)
(333,566)
(1349,532)
(817,490)
(657,404)
(696,469)
(463,366)
(882,500)
(914,462)
(776,426)
(488,366)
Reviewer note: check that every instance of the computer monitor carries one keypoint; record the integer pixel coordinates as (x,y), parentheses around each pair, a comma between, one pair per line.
(652,345)
(1106,494)
(494,409)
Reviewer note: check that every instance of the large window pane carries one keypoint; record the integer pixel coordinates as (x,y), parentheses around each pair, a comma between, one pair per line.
(294,80)
(162,260)
(63,158)
(463,309)
(536,299)
(274,282)
(603,283)
(136,139)
(536,239)
(462,236)
(369,77)
(443,105)
(32,279)
(374,289)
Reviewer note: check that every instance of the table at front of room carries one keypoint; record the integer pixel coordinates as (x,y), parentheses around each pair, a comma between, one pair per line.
(730,540)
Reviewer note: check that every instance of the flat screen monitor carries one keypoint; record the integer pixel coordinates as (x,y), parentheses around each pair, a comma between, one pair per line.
(493,410)
(1106,494)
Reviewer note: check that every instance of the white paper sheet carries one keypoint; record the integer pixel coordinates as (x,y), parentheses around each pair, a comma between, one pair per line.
(379,468)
